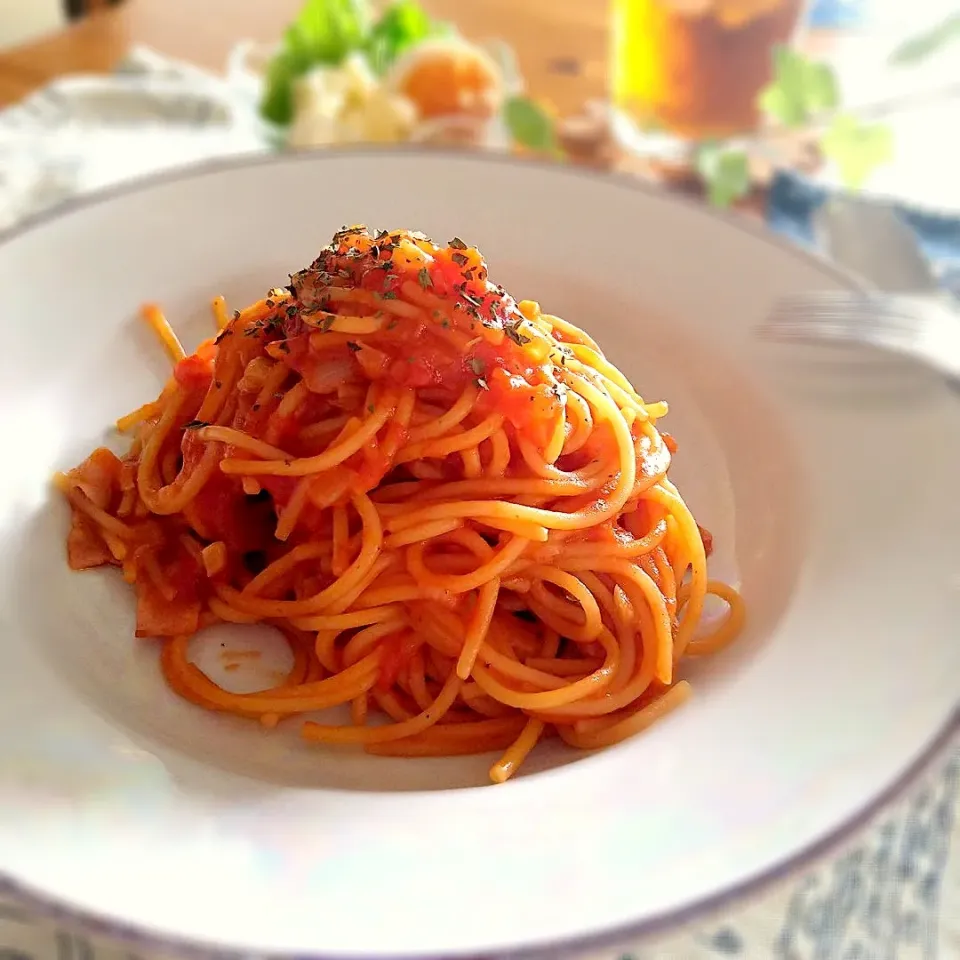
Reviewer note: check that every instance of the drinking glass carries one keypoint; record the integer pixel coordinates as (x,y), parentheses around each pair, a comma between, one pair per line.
(694,68)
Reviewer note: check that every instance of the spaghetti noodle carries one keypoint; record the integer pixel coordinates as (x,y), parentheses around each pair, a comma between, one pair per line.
(453,506)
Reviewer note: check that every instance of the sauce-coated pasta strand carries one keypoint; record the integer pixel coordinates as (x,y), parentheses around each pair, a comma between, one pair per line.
(454,507)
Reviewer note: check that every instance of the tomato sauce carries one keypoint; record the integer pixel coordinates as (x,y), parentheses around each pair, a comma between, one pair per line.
(465,330)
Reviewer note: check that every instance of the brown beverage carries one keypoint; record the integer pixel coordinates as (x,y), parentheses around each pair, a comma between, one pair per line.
(695,67)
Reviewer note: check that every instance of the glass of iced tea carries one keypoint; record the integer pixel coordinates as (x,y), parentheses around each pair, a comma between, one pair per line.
(694,68)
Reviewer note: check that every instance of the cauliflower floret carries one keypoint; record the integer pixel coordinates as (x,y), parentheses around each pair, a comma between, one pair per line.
(347,104)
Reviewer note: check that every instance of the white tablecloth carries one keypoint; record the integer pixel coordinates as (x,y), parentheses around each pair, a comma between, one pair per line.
(891,893)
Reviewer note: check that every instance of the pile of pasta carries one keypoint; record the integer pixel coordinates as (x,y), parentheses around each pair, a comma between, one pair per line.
(452,505)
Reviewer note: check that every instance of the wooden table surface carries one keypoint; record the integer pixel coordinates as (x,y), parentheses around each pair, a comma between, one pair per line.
(561,44)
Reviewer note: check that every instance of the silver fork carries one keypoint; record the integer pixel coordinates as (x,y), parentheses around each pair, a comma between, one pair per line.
(920,328)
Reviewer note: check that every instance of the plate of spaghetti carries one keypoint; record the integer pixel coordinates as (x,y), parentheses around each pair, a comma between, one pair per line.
(400,544)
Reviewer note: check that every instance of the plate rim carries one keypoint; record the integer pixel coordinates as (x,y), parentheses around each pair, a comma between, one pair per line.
(937,748)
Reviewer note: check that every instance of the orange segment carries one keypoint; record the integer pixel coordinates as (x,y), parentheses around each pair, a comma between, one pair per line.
(444,78)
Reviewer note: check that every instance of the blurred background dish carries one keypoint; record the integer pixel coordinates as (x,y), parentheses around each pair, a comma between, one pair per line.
(714,97)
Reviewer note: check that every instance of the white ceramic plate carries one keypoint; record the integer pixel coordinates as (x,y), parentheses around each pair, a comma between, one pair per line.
(832,500)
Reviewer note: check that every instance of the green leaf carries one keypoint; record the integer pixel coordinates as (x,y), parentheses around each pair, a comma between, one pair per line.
(857,148)
(783,99)
(800,89)
(929,42)
(725,172)
(324,32)
(403,25)
(822,89)
(529,124)
(276,105)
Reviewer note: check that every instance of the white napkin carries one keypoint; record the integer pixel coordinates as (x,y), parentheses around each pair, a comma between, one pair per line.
(82,133)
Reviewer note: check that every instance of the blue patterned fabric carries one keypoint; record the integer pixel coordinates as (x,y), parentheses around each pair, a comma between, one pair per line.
(831,14)
(879,901)
(792,201)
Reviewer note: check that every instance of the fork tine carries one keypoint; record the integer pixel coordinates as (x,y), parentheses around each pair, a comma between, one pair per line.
(780,329)
(854,323)
(851,326)
(909,326)
(828,298)
(814,314)
(850,310)
(844,305)
(816,308)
